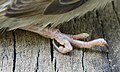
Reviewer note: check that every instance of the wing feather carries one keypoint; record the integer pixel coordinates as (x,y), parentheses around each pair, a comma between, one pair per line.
(19,13)
(63,6)
(65,2)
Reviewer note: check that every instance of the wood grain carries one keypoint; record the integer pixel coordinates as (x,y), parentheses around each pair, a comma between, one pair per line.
(22,51)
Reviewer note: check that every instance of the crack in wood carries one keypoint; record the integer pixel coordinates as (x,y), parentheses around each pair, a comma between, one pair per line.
(37,64)
(109,62)
(14,46)
(83,51)
(103,33)
(55,64)
(52,51)
(104,36)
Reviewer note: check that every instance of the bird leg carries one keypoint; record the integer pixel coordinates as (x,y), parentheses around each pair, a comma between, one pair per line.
(66,41)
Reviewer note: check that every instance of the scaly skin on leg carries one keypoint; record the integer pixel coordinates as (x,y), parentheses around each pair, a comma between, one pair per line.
(66,41)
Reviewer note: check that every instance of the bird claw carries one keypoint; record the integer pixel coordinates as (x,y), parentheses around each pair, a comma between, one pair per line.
(66,42)
(64,47)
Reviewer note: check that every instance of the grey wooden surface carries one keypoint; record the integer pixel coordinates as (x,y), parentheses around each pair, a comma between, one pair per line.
(22,51)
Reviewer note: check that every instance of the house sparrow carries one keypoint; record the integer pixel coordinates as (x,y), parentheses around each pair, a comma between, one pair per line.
(37,15)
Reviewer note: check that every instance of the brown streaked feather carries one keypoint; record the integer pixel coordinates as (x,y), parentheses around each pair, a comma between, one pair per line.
(57,7)
(68,1)
(21,8)
(19,13)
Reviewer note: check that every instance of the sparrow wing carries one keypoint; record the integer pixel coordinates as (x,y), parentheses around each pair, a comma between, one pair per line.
(19,13)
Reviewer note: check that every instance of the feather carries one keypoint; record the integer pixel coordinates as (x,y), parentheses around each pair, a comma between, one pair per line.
(20,13)
(68,1)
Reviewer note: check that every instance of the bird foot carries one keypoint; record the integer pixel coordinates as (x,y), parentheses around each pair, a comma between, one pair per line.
(65,41)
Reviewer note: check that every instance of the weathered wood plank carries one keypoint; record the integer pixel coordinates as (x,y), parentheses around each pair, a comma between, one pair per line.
(112,33)
(22,51)
(95,60)
(32,53)
(6,52)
